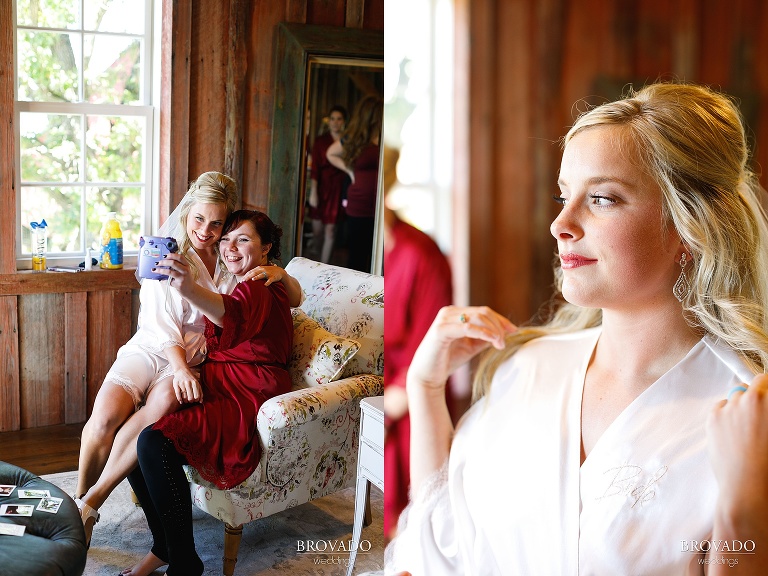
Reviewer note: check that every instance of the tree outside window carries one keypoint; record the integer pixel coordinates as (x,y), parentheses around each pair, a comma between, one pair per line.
(84,120)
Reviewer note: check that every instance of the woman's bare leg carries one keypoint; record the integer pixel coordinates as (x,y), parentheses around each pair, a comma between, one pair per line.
(112,407)
(317,238)
(330,238)
(160,401)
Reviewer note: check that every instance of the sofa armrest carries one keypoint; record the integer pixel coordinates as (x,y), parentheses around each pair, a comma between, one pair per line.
(321,422)
(308,404)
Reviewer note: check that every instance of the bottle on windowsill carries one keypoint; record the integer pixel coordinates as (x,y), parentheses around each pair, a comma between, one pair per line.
(39,244)
(111,257)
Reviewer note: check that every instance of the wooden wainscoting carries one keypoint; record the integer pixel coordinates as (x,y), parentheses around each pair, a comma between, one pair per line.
(59,334)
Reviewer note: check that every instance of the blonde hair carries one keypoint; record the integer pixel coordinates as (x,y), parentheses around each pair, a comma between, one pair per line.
(691,140)
(208,188)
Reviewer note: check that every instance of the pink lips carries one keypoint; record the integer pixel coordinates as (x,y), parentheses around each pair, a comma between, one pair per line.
(569,261)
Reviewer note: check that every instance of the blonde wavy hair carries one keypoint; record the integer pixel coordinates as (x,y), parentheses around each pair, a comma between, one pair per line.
(691,140)
(208,188)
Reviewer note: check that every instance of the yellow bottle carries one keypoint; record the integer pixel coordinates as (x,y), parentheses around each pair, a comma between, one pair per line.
(111,244)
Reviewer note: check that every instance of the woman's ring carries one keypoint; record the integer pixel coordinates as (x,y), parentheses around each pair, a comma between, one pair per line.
(736,389)
(463,318)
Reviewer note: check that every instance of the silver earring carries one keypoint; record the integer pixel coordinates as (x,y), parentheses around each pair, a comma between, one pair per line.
(682,287)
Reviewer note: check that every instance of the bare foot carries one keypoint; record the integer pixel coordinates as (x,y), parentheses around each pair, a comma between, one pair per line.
(148,564)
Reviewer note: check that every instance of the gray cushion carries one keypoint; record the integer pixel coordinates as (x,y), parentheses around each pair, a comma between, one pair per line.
(53,544)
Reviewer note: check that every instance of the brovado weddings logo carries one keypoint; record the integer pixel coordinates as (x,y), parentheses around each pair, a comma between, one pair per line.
(724,552)
(326,547)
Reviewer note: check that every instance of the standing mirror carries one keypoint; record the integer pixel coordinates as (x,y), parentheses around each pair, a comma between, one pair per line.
(317,68)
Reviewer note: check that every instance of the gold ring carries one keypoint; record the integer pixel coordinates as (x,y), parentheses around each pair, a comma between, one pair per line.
(463,318)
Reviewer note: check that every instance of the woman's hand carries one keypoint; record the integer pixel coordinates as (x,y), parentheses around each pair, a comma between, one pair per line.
(314,198)
(269,273)
(456,336)
(334,153)
(737,438)
(186,387)
(179,274)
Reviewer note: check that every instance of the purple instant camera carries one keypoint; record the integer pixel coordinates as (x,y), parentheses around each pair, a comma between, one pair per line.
(151,250)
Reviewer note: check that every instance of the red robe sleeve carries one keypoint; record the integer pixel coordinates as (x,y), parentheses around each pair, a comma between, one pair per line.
(246,311)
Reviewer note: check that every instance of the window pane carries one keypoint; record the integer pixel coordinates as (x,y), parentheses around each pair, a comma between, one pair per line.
(114,147)
(114,16)
(48,13)
(112,69)
(60,207)
(50,147)
(48,66)
(126,203)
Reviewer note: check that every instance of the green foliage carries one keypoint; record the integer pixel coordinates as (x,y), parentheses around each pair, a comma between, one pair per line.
(47,13)
(51,145)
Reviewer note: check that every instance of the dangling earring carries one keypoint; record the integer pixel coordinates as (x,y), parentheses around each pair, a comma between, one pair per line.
(682,287)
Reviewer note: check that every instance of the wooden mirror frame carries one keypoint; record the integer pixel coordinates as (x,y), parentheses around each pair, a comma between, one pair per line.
(296,44)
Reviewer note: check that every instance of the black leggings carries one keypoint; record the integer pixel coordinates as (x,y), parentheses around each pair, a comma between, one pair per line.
(163,490)
(360,242)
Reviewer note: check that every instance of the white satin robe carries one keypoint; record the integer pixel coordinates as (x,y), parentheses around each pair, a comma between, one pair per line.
(166,319)
(515,500)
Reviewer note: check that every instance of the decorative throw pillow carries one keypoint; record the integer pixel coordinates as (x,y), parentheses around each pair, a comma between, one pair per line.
(318,356)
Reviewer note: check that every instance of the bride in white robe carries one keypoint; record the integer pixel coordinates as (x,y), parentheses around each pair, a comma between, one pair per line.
(599,443)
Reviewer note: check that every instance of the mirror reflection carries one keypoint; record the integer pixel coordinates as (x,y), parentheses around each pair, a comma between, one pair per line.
(339,192)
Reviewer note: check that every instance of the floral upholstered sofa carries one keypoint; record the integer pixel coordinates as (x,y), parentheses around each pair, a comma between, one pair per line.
(309,436)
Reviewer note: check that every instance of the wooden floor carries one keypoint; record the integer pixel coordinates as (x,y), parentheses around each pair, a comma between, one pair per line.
(44,450)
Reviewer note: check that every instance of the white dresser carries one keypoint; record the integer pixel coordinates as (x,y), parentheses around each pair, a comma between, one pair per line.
(370,467)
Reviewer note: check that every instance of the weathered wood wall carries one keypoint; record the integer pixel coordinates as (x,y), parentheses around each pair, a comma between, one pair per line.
(524,63)
(59,334)
(225,94)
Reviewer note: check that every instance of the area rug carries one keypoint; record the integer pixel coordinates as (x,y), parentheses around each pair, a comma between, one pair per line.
(272,545)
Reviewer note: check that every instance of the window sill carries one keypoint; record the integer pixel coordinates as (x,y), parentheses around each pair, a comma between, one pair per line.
(28,282)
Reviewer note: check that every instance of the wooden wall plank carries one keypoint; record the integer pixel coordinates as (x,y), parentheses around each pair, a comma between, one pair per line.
(41,355)
(76,357)
(653,27)
(259,102)
(549,19)
(296,10)
(512,208)
(10,418)
(239,20)
(7,141)
(175,48)
(482,148)
(28,282)
(373,17)
(355,13)
(109,327)
(208,87)
(327,12)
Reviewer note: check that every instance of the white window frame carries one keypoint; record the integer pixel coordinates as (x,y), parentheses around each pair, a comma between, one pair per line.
(150,82)
(428,204)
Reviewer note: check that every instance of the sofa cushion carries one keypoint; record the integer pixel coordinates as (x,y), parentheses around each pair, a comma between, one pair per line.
(318,357)
(348,303)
